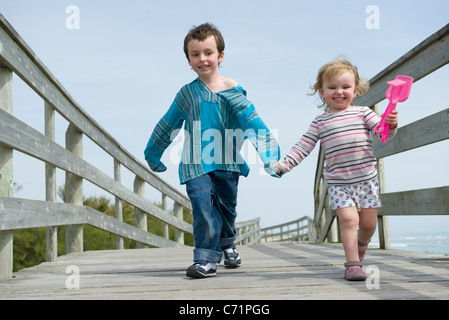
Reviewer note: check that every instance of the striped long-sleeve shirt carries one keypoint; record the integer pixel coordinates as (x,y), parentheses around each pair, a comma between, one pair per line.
(346,138)
(215,127)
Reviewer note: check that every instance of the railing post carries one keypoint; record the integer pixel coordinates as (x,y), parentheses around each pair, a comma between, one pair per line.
(382,221)
(140,216)
(6,182)
(74,191)
(50,185)
(178,212)
(118,205)
(165,231)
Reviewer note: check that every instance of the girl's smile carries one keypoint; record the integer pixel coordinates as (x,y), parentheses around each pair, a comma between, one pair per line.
(339,92)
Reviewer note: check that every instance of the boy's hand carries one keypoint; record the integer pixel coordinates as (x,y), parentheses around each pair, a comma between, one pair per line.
(157,168)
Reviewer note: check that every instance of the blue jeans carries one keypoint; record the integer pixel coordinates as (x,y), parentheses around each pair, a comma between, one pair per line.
(214,198)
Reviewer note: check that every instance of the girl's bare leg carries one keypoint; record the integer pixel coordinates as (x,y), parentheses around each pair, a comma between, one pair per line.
(367,225)
(349,220)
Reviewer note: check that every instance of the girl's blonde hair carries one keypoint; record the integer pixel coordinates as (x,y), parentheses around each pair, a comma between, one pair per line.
(334,69)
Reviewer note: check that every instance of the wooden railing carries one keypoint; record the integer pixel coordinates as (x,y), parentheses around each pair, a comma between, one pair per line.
(425,58)
(16,57)
(297,230)
(248,232)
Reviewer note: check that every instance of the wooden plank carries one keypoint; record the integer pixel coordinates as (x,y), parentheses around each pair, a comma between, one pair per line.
(432,201)
(22,137)
(272,271)
(22,213)
(6,174)
(425,131)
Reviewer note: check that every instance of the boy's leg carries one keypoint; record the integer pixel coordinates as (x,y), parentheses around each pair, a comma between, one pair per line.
(206,220)
(225,201)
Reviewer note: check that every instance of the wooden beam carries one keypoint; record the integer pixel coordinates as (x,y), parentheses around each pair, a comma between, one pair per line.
(431,129)
(22,137)
(6,175)
(18,213)
(432,201)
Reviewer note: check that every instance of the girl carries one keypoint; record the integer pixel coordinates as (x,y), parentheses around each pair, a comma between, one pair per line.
(345,131)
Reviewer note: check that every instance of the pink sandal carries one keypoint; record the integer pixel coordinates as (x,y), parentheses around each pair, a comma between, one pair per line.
(354,272)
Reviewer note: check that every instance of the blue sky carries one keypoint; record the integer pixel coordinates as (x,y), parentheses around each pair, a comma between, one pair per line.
(125,64)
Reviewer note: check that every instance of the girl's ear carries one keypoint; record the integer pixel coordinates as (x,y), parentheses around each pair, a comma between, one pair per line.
(321,93)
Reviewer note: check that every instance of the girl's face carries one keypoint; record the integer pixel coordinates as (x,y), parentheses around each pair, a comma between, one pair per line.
(339,91)
(204,56)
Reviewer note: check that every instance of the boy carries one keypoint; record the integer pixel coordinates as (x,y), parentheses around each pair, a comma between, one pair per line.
(217,119)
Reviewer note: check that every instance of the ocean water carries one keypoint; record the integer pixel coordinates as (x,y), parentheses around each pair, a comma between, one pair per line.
(428,242)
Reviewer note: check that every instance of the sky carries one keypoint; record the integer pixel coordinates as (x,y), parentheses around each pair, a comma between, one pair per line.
(123,63)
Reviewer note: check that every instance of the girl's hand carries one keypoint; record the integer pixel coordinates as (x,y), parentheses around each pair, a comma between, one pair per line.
(278,170)
(392,119)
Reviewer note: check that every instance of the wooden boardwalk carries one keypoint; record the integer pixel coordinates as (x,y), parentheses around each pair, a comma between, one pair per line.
(270,271)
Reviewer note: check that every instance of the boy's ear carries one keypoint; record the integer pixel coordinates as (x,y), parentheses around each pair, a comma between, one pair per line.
(221,57)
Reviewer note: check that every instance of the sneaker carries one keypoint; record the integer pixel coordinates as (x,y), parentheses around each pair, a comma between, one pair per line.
(202,269)
(231,257)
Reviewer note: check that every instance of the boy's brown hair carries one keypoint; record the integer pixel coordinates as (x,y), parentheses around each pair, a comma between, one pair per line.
(201,33)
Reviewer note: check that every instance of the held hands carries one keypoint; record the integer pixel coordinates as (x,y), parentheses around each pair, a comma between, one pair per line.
(272,169)
(278,169)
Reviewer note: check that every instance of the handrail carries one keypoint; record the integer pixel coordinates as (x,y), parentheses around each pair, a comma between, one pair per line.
(17,57)
(296,230)
(428,56)
(248,232)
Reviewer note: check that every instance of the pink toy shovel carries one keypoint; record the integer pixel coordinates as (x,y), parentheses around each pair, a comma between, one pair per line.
(398,91)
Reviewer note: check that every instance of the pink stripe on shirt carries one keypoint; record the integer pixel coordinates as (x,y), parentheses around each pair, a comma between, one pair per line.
(340,154)
(343,135)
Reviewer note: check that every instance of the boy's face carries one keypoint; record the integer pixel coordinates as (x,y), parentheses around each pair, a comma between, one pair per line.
(204,57)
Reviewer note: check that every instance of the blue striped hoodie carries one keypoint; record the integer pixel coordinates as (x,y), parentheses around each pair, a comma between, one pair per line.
(215,127)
